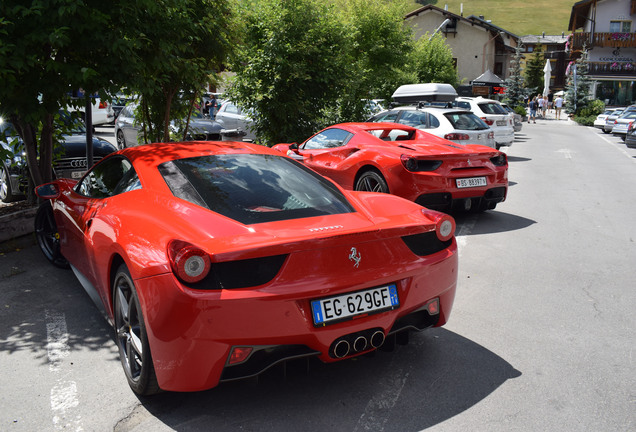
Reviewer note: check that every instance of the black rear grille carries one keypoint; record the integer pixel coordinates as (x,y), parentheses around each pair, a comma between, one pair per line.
(426,243)
(242,273)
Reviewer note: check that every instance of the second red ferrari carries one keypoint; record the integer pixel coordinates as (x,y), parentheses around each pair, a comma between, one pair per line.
(408,162)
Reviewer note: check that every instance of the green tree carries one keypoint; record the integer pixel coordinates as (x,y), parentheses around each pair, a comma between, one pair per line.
(187,41)
(305,64)
(534,71)
(43,58)
(432,61)
(514,84)
(577,88)
(290,66)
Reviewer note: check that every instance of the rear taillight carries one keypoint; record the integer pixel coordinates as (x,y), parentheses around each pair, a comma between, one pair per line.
(499,160)
(491,135)
(103,105)
(457,137)
(444,224)
(488,121)
(418,165)
(189,263)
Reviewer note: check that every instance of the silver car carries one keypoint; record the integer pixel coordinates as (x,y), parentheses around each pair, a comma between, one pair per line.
(621,124)
(232,117)
(200,128)
(454,124)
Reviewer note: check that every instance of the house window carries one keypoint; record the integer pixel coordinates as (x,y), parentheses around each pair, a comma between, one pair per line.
(620,26)
(529,49)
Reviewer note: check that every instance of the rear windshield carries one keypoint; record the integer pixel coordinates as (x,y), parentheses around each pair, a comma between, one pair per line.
(466,121)
(253,188)
(491,108)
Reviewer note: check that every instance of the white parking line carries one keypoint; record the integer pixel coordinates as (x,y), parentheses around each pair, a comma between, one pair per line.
(64,397)
(619,148)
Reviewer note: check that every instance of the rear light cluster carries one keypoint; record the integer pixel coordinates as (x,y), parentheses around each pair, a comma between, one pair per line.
(457,137)
(488,121)
(193,266)
(499,160)
(103,105)
(419,165)
(431,242)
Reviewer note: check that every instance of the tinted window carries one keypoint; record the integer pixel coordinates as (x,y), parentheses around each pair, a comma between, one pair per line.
(253,188)
(413,118)
(330,138)
(110,177)
(461,104)
(466,121)
(389,116)
(433,121)
(491,108)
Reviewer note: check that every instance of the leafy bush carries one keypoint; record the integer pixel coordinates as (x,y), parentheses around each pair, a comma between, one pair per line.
(585,120)
(519,109)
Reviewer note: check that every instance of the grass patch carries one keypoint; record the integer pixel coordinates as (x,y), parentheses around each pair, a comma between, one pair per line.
(520,18)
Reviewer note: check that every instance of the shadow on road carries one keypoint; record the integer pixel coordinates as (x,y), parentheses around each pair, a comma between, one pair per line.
(492,221)
(437,376)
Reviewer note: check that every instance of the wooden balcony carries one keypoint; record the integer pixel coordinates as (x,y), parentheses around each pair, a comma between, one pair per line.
(614,40)
(611,69)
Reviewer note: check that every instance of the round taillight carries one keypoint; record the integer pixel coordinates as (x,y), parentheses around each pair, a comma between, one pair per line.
(190,263)
(444,224)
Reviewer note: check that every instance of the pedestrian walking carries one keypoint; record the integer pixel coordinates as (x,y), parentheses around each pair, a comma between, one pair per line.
(533,110)
(558,104)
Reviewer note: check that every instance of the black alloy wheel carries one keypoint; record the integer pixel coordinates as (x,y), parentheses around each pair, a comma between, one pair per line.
(132,340)
(48,236)
(371,181)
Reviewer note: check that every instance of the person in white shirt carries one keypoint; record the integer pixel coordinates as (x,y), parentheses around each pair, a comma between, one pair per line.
(558,104)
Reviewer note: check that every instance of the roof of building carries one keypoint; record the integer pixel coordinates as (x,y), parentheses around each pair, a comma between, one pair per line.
(544,39)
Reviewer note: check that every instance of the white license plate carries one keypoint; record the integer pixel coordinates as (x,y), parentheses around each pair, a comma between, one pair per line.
(501,122)
(471,182)
(347,306)
(77,174)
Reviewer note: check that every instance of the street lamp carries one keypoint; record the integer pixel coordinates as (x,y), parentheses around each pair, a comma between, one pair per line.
(483,56)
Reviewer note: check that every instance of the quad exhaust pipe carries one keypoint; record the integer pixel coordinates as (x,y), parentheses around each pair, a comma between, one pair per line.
(356,342)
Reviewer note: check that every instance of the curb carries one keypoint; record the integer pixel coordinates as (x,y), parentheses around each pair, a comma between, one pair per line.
(17,224)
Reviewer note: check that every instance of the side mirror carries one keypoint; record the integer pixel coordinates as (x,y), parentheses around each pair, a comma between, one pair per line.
(293,146)
(48,191)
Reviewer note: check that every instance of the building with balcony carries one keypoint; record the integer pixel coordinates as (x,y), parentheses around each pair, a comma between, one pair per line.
(606,29)
(553,48)
(478,45)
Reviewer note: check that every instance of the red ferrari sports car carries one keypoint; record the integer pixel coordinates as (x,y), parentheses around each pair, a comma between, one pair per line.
(217,260)
(408,162)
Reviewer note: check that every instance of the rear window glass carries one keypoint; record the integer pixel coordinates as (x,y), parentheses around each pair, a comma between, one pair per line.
(253,188)
(491,108)
(466,121)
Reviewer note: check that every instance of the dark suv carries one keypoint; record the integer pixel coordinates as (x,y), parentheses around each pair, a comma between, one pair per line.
(69,162)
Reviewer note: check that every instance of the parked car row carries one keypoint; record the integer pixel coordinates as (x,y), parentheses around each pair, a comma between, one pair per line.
(437,109)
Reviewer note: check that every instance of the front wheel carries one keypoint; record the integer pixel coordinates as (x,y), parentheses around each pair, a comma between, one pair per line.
(48,236)
(132,339)
(121,141)
(371,181)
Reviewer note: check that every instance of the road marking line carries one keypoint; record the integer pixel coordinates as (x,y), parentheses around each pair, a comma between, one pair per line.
(64,393)
(620,149)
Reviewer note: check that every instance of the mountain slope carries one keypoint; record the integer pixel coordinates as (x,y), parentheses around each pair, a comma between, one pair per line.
(520,18)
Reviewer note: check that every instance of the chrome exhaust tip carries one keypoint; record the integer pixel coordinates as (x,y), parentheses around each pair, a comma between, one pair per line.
(360,344)
(377,339)
(341,349)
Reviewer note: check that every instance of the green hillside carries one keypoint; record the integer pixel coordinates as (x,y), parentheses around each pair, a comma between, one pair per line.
(520,18)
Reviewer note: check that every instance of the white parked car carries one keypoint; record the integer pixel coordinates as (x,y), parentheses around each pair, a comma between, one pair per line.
(454,124)
(622,124)
(494,115)
(599,122)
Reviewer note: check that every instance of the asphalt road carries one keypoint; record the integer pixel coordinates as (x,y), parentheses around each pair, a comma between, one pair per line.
(542,335)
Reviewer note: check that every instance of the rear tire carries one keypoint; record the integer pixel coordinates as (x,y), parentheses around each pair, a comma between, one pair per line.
(6,192)
(48,236)
(132,339)
(121,141)
(371,181)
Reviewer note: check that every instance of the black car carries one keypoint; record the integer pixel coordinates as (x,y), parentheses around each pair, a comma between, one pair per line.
(69,162)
